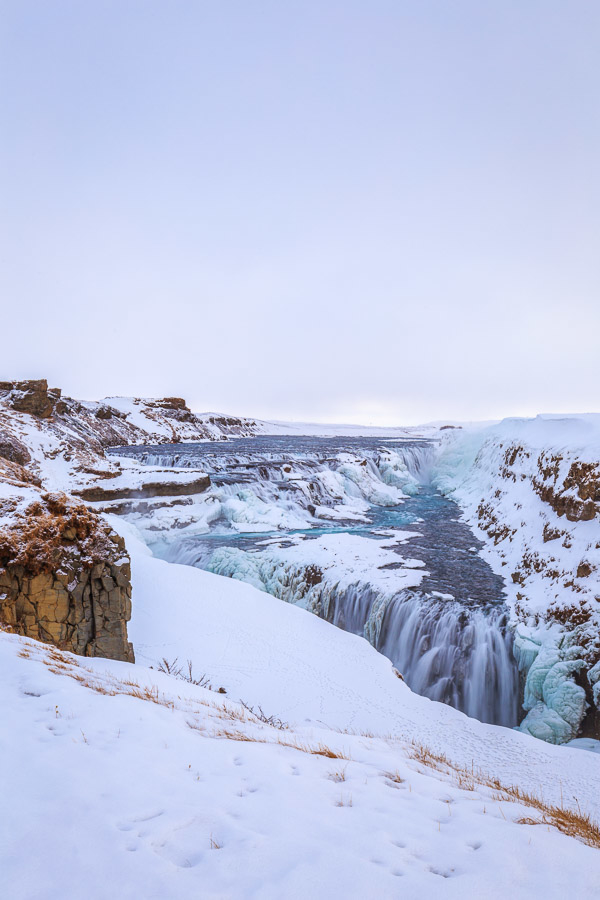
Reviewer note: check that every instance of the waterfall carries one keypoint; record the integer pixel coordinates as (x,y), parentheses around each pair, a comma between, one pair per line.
(304,480)
(445,650)
(449,651)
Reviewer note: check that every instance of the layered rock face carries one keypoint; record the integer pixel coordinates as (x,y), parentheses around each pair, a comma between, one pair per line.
(34,397)
(65,578)
(576,495)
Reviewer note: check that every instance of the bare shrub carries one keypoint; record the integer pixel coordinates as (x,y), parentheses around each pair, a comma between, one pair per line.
(258,713)
(184,674)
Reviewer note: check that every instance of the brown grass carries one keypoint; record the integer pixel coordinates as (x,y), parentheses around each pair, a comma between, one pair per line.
(232,712)
(319,749)
(571,822)
(230,735)
(394,776)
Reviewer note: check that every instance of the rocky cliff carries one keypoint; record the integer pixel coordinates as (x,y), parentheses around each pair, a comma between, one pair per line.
(532,488)
(65,576)
(117,421)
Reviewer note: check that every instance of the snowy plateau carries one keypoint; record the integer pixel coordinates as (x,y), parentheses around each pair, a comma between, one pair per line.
(367,662)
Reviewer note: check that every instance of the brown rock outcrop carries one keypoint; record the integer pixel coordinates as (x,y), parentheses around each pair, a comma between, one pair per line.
(578,497)
(13,449)
(34,397)
(65,579)
(172,403)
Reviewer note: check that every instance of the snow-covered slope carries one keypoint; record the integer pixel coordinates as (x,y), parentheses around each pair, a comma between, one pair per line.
(319,429)
(141,785)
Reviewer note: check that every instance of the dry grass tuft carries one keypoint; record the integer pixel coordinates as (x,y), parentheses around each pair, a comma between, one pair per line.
(319,749)
(338,776)
(224,711)
(571,822)
(230,735)
(395,777)
(575,824)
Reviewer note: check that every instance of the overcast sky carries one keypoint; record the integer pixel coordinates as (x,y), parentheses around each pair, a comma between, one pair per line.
(378,212)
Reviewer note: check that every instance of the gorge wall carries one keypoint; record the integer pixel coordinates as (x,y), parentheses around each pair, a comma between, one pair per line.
(532,489)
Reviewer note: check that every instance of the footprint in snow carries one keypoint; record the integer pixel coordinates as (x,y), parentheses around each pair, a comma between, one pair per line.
(129,824)
(444,873)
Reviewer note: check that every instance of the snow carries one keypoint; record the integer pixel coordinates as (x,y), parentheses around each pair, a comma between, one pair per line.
(132,798)
(343,559)
(135,408)
(134,476)
(14,499)
(319,429)
(585,744)
(299,666)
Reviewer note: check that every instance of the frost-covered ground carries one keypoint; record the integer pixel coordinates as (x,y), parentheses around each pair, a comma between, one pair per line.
(137,784)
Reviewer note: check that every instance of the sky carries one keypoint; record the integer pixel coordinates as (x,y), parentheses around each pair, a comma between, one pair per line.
(382,212)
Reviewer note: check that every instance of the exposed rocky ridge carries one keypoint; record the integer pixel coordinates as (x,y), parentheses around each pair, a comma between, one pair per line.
(576,496)
(118,421)
(33,397)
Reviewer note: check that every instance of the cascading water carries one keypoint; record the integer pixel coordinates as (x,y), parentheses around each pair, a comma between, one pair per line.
(449,638)
(453,654)
(444,650)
